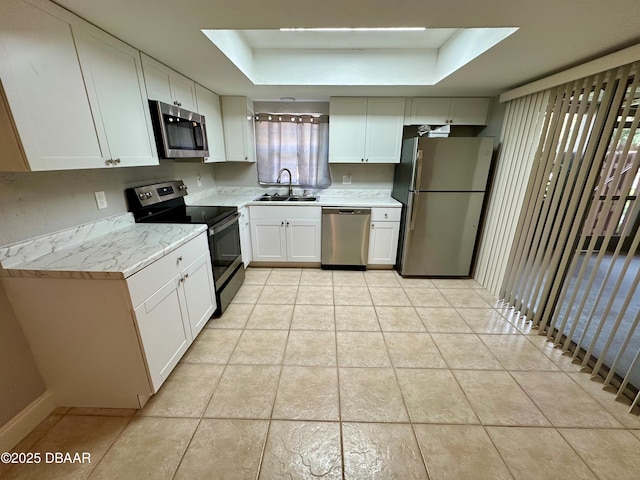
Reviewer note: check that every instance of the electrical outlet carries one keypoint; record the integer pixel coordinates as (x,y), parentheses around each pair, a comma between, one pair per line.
(346,179)
(101,200)
(199,180)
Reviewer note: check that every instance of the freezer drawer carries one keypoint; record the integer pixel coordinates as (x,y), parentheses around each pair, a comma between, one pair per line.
(440,233)
(345,237)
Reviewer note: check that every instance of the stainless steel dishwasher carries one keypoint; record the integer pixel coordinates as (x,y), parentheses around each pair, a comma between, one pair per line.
(345,237)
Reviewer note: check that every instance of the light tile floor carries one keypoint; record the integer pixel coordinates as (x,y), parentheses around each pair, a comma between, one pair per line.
(356,375)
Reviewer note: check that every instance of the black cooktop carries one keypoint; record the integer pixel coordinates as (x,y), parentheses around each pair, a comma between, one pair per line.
(189,214)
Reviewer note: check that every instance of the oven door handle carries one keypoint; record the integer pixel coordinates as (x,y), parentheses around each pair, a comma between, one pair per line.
(226,224)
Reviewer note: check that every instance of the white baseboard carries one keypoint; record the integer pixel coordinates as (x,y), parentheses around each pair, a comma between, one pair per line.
(19,426)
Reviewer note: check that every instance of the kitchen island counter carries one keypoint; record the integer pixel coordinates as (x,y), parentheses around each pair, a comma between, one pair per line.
(114,248)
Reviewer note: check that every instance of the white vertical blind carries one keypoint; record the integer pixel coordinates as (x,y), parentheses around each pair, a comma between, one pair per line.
(519,139)
(572,267)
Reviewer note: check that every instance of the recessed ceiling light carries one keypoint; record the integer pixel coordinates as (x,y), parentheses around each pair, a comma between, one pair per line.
(357,29)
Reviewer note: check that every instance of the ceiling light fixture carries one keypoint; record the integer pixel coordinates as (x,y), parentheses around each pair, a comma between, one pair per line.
(356,29)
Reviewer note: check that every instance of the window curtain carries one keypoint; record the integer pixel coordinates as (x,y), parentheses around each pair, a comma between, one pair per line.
(297,142)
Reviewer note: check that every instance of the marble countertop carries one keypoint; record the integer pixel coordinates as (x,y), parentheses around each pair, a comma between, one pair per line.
(323,201)
(114,255)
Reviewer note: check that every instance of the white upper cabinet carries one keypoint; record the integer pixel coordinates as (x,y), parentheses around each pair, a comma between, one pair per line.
(44,89)
(347,129)
(209,106)
(74,95)
(167,85)
(239,130)
(118,97)
(469,111)
(452,111)
(365,130)
(384,129)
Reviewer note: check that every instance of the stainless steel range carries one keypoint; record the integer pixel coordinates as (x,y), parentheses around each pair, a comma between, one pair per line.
(164,203)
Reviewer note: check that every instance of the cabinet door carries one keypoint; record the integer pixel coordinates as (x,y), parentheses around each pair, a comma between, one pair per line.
(165,337)
(303,240)
(114,71)
(383,243)
(209,106)
(469,111)
(183,91)
(249,132)
(239,133)
(167,85)
(199,293)
(45,89)
(347,129)
(430,111)
(268,240)
(157,80)
(385,117)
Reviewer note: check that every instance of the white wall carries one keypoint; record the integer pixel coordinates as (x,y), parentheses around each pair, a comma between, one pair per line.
(20,380)
(363,176)
(37,203)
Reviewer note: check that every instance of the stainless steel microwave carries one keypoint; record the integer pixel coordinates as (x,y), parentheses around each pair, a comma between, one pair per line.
(179,133)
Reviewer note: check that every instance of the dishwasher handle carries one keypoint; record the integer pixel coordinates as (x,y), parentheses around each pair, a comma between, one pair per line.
(346,211)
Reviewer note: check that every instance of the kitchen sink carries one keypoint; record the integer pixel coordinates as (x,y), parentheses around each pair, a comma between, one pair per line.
(283,198)
(272,198)
(302,199)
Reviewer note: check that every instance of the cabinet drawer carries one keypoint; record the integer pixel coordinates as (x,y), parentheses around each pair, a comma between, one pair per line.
(148,280)
(282,212)
(385,214)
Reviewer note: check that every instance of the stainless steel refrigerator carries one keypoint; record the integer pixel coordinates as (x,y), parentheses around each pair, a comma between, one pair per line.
(441,183)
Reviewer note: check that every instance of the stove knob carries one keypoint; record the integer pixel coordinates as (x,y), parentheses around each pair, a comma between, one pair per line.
(141,195)
(182,187)
(148,195)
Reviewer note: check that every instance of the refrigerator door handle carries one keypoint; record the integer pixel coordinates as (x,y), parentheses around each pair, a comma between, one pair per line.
(418,179)
(414,210)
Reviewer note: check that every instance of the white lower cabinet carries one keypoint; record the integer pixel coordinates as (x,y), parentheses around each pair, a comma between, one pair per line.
(165,337)
(172,317)
(112,342)
(286,234)
(383,237)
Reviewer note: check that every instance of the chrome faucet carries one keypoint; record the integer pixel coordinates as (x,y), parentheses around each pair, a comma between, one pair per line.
(279,179)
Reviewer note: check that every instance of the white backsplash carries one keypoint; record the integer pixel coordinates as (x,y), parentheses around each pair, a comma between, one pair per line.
(257,191)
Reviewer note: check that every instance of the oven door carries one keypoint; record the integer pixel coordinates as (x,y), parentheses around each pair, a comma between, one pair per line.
(224,243)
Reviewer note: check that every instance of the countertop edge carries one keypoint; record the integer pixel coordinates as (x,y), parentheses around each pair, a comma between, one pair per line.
(26,271)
